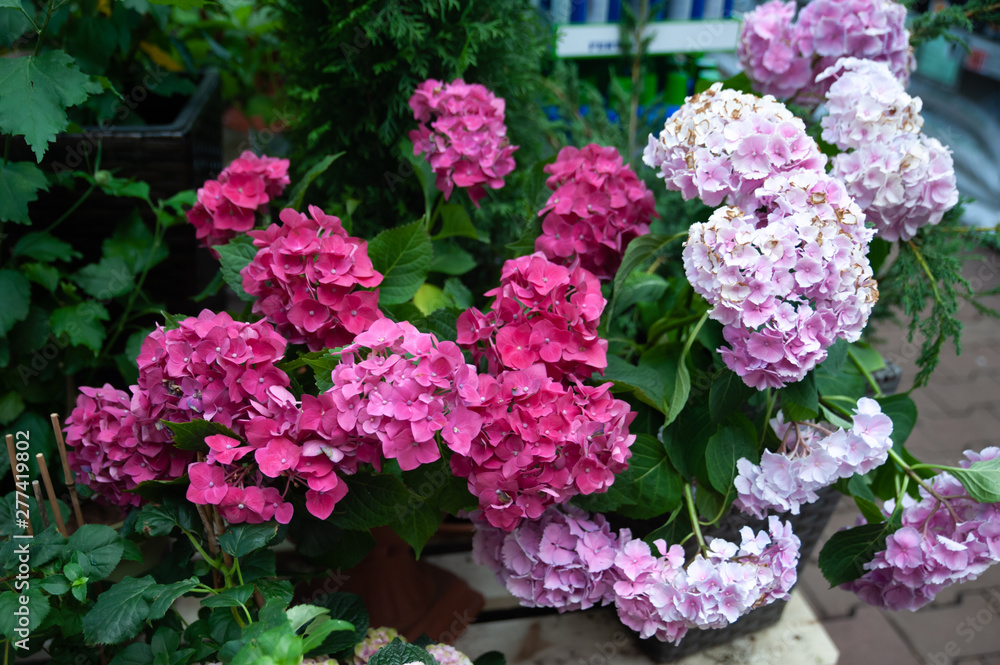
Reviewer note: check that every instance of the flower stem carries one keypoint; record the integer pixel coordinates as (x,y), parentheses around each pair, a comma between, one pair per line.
(865,373)
(767,417)
(693,514)
(930,490)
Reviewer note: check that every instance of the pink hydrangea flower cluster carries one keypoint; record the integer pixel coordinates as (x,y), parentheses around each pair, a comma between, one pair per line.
(783,56)
(542,442)
(307,275)
(115,444)
(228,205)
(374,640)
(569,561)
(446,654)
(665,596)
(810,458)
(463,136)
(597,208)
(722,144)
(867,104)
(940,543)
(902,185)
(542,313)
(563,559)
(787,283)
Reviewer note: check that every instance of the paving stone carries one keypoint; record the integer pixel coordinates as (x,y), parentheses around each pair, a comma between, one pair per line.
(866,638)
(962,399)
(942,440)
(950,595)
(826,602)
(941,635)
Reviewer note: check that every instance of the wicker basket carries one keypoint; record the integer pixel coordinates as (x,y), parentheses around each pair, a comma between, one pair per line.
(808,525)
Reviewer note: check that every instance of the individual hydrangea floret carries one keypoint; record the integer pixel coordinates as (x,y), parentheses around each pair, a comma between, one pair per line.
(598,206)
(785,283)
(722,144)
(307,275)
(115,444)
(867,104)
(810,458)
(903,184)
(945,538)
(785,56)
(228,205)
(564,559)
(462,135)
(542,313)
(665,596)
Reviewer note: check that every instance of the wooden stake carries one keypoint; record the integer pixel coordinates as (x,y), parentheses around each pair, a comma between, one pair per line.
(47,479)
(13,472)
(35,485)
(67,473)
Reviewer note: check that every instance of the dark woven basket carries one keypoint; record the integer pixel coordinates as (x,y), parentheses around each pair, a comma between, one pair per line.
(171,157)
(808,525)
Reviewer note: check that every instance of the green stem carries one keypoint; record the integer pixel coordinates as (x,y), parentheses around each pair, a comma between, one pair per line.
(239,573)
(930,490)
(239,620)
(41,31)
(72,209)
(208,559)
(693,514)
(693,335)
(927,270)
(767,417)
(865,373)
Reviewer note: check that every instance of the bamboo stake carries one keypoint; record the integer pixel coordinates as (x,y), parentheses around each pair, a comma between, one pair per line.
(47,479)
(67,473)
(13,472)
(40,499)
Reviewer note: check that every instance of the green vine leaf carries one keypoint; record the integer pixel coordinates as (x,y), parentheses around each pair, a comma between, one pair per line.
(20,183)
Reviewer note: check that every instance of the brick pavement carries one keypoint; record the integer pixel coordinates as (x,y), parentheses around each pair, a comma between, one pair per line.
(960,409)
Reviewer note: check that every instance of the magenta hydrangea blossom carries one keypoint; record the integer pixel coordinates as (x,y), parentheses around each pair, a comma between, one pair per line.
(867,104)
(115,444)
(564,559)
(598,206)
(940,543)
(722,144)
(903,184)
(664,596)
(810,458)
(784,56)
(307,276)
(542,313)
(785,284)
(228,205)
(462,135)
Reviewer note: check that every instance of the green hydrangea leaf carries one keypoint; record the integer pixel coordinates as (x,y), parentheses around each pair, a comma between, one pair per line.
(403,255)
(37,90)
(19,185)
(80,323)
(15,292)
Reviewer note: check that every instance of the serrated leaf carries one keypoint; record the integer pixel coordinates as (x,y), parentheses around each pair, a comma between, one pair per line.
(42,274)
(845,554)
(45,247)
(459,293)
(162,596)
(37,609)
(345,607)
(800,401)
(371,501)
(37,91)
(132,242)
(191,435)
(154,520)
(298,193)
(398,652)
(638,252)
(727,394)
(119,611)
(403,255)
(139,653)
(429,298)
(101,549)
(416,524)
(81,324)
(16,299)
(450,259)
(728,445)
(55,585)
(525,244)
(981,480)
(233,258)
(455,222)
(234,597)
(19,186)
(242,539)
(645,382)
(640,287)
(109,278)
(657,485)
